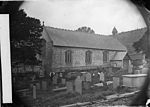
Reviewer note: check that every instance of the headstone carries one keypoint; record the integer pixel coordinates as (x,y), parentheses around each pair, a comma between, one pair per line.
(78,85)
(60,75)
(130,68)
(69,86)
(95,79)
(63,81)
(102,76)
(33,78)
(44,85)
(41,73)
(116,82)
(88,77)
(55,78)
(38,86)
(34,92)
(83,76)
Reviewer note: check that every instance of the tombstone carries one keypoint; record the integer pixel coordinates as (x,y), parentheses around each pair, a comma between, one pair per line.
(69,86)
(38,86)
(63,81)
(88,77)
(95,78)
(83,76)
(55,78)
(61,75)
(44,85)
(34,92)
(130,68)
(116,82)
(78,85)
(102,78)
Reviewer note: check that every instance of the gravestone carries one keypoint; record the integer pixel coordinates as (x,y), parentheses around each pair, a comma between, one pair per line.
(44,85)
(88,77)
(83,76)
(86,84)
(34,91)
(95,78)
(61,75)
(116,82)
(55,78)
(78,85)
(102,77)
(69,86)
(63,81)
(38,86)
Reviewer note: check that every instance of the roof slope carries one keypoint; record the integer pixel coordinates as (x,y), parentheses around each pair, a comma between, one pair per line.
(70,38)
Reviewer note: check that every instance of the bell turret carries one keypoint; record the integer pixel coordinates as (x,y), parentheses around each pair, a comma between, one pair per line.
(114,31)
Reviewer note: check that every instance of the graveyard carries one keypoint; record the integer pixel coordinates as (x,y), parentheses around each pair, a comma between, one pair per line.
(65,88)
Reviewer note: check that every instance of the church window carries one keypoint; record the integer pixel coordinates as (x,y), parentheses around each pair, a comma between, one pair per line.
(88,57)
(68,57)
(105,56)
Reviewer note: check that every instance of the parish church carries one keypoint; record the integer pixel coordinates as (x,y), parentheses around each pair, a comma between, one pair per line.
(67,50)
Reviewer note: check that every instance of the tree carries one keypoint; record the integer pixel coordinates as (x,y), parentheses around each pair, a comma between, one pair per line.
(143,45)
(86,29)
(25,35)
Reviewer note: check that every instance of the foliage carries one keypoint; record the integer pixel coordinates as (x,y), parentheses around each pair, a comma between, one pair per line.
(25,34)
(142,44)
(25,38)
(86,29)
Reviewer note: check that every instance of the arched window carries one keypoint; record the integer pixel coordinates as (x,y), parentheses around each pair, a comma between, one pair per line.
(105,56)
(68,57)
(88,57)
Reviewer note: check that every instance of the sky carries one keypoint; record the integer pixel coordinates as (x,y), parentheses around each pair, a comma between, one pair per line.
(100,15)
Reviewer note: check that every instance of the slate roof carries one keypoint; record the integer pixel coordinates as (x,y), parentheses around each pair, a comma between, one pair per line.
(68,38)
(118,56)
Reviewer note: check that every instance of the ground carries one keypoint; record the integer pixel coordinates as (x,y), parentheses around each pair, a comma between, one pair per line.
(95,96)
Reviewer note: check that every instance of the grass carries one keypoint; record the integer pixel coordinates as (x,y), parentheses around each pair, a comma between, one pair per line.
(65,98)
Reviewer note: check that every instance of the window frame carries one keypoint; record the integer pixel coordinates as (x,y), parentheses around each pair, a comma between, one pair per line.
(68,57)
(88,57)
(105,56)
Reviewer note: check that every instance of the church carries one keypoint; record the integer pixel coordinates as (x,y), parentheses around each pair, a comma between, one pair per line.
(67,50)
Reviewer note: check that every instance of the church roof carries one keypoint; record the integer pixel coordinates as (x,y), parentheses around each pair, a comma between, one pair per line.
(118,56)
(68,38)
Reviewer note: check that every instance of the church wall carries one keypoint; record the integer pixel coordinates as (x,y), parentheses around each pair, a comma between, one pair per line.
(78,57)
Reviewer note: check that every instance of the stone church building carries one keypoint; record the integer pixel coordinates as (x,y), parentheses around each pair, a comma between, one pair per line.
(73,50)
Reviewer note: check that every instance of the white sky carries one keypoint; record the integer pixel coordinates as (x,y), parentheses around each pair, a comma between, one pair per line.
(100,15)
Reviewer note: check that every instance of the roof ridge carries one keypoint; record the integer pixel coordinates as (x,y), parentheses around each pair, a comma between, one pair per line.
(133,30)
(75,31)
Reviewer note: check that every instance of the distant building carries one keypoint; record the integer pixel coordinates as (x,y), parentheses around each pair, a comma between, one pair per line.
(72,50)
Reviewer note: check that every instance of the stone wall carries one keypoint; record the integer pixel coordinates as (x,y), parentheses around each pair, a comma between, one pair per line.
(78,57)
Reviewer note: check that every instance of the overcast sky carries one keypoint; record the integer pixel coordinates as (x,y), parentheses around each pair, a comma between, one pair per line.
(100,15)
